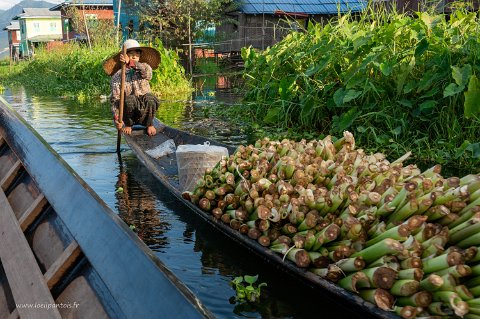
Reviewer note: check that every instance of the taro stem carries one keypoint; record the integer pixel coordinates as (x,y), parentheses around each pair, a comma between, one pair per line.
(381,277)
(459,306)
(407,312)
(379,297)
(412,273)
(431,283)
(440,308)
(442,262)
(318,259)
(405,287)
(384,247)
(299,256)
(354,281)
(326,235)
(351,264)
(400,232)
(419,299)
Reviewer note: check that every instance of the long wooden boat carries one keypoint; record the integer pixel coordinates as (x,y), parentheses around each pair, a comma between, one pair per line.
(63,252)
(165,170)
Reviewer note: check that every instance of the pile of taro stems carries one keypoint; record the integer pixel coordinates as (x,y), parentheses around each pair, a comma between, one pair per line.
(403,239)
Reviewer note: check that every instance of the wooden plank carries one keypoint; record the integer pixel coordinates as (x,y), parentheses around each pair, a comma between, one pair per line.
(32,212)
(14,314)
(62,264)
(8,179)
(24,276)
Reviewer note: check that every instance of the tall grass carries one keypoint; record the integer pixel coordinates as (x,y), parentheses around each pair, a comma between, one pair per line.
(398,82)
(73,70)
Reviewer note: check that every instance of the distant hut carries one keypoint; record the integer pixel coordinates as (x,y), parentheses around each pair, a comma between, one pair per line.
(13,30)
(90,10)
(262,23)
(38,26)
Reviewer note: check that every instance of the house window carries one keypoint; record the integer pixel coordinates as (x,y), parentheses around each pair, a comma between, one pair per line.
(36,27)
(17,34)
(53,26)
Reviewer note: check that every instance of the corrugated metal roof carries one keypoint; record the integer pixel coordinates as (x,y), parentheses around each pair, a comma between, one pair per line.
(37,13)
(14,25)
(301,6)
(82,3)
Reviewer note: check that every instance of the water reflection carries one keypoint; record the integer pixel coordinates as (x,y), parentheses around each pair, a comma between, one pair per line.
(136,206)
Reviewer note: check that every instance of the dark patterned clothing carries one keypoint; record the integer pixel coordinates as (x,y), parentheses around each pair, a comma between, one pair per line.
(140,104)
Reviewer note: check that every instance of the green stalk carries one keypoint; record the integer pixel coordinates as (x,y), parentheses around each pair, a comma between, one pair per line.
(465,215)
(379,297)
(400,232)
(354,281)
(406,312)
(451,194)
(440,308)
(411,262)
(472,181)
(412,273)
(384,247)
(459,306)
(473,240)
(384,260)
(351,264)
(475,291)
(326,235)
(458,271)
(299,256)
(442,262)
(431,283)
(463,292)
(405,287)
(310,240)
(436,212)
(419,299)
(280,248)
(405,211)
(457,234)
(380,277)
(475,270)
(474,302)
(318,259)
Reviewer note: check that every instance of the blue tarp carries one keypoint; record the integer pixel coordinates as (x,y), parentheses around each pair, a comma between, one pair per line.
(301,6)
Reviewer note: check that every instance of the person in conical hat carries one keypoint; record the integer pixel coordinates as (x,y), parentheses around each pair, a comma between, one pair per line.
(140,105)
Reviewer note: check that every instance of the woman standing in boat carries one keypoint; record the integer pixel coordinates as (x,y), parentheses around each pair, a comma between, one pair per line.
(140,104)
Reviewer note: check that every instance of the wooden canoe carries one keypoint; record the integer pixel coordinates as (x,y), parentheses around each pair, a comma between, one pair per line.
(165,170)
(63,252)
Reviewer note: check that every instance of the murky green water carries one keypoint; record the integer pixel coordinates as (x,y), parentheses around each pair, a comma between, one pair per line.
(206,261)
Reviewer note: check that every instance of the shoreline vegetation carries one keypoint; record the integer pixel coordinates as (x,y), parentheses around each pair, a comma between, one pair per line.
(75,71)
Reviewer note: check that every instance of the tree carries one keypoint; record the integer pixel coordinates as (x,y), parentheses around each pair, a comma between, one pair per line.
(177,22)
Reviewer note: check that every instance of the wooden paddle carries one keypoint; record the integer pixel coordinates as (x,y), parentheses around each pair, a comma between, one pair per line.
(122,100)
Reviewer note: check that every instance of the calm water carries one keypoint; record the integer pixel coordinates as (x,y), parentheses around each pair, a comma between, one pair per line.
(204,260)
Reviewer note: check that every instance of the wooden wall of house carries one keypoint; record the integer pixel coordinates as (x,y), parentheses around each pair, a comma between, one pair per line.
(254,30)
(442,5)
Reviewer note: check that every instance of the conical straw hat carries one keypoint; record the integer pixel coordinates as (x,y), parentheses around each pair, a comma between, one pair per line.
(149,55)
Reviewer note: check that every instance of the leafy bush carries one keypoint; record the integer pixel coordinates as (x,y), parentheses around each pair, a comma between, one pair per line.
(76,71)
(401,82)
